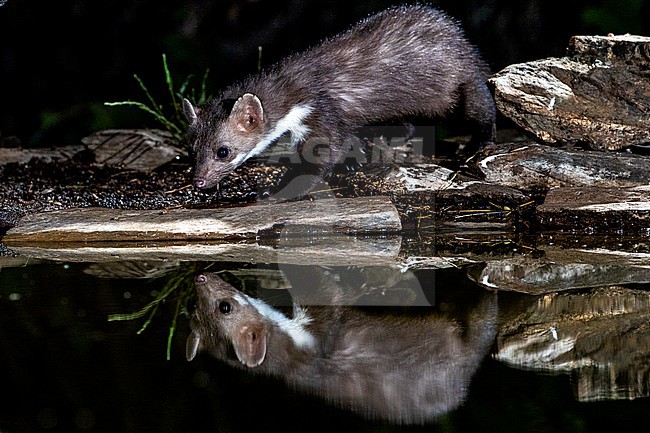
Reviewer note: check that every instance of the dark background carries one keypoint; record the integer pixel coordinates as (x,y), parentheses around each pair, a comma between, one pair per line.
(61,60)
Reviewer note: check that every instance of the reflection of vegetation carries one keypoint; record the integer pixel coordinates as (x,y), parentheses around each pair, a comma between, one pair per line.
(181,283)
(176,123)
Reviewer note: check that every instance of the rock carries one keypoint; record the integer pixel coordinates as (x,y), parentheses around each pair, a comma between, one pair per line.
(427,177)
(600,95)
(530,165)
(631,50)
(134,149)
(590,210)
(428,195)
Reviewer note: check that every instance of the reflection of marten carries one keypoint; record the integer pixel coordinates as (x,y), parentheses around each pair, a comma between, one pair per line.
(405,368)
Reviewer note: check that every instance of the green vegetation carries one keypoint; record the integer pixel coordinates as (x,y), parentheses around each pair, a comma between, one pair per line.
(174,122)
(615,16)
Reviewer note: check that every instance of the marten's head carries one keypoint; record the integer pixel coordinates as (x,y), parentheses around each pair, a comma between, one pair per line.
(223,134)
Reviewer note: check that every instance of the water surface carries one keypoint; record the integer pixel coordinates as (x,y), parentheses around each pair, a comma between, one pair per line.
(475,359)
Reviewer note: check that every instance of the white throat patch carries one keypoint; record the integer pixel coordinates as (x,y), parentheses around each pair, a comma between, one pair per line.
(294,328)
(292,122)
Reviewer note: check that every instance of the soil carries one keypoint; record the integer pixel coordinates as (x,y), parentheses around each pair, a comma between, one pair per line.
(40,186)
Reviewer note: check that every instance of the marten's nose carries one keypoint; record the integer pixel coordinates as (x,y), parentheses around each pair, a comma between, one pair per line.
(199,183)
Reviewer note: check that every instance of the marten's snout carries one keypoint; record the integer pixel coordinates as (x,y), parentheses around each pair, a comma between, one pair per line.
(206,181)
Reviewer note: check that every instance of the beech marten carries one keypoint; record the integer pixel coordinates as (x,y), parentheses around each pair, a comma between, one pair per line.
(404,61)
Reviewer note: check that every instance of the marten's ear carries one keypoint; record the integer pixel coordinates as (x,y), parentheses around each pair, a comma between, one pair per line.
(191,112)
(192,345)
(248,113)
(250,344)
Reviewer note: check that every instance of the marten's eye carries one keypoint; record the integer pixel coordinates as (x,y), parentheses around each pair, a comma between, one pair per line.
(225,307)
(223,152)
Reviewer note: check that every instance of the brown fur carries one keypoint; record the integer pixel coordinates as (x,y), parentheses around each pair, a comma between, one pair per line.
(404,61)
(406,368)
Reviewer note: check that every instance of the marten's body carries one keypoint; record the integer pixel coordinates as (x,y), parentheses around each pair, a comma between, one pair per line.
(406,368)
(405,61)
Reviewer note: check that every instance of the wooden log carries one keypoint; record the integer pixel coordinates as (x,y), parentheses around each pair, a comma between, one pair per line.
(134,149)
(590,210)
(359,215)
(533,166)
(582,99)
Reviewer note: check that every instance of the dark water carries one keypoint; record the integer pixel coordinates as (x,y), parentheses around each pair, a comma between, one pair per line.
(65,367)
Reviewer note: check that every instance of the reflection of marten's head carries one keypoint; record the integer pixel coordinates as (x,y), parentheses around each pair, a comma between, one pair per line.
(224,318)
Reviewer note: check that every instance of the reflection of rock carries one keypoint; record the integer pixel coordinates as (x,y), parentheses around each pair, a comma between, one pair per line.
(332,250)
(603,335)
(404,367)
(388,285)
(356,215)
(561,270)
(259,278)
